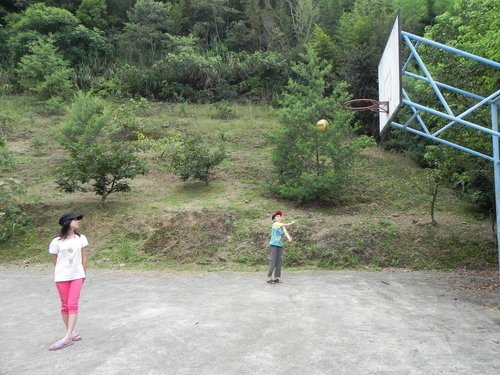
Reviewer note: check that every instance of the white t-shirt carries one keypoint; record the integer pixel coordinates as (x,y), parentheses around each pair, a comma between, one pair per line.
(69,257)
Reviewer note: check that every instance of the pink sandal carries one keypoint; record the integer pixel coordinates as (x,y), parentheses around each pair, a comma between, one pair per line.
(76,337)
(61,344)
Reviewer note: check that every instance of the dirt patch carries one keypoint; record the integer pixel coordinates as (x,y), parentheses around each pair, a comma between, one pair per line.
(192,236)
(482,287)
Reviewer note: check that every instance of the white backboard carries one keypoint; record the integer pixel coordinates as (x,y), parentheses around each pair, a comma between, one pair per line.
(389,76)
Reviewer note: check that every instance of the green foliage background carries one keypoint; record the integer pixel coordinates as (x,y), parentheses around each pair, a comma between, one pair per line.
(94,63)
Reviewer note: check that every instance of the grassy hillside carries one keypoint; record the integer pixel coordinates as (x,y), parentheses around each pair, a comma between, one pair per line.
(165,222)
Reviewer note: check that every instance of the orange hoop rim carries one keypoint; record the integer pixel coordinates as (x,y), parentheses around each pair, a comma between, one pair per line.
(360,105)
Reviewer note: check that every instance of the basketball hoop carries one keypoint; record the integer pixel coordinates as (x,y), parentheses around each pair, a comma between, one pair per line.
(360,105)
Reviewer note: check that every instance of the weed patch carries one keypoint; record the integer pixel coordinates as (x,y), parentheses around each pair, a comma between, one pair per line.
(191,236)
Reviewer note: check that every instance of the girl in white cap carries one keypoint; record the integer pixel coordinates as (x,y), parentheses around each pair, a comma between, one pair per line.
(69,253)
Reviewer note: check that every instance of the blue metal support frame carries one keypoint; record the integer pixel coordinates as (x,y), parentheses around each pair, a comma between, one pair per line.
(444,86)
(416,56)
(451,49)
(487,100)
(493,101)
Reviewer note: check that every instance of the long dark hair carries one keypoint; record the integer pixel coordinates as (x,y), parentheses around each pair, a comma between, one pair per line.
(65,230)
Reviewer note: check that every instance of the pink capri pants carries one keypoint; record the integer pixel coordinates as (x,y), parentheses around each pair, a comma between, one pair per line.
(69,292)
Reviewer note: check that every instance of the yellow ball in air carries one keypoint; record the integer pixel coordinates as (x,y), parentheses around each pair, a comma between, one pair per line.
(321,125)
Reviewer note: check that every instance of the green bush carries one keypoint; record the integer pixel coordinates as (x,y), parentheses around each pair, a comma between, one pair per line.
(189,75)
(6,160)
(85,122)
(43,72)
(225,110)
(124,124)
(6,82)
(76,43)
(92,13)
(102,168)
(38,144)
(263,75)
(411,145)
(13,220)
(196,159)
(54,106)
(97,163)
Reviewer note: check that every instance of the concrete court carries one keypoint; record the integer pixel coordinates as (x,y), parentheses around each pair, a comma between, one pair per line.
(135,322)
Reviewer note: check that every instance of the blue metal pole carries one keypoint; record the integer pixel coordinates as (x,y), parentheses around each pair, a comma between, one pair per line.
(451,118)
(452,50)
(416,114)
(496,169)
(408,60)
(428,75)
(444,86)
(445,142)
(490,99)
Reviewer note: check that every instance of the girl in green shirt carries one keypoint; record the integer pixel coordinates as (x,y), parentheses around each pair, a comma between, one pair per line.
(278,230)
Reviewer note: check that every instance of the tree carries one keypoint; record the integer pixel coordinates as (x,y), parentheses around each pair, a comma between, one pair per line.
(85,123)
(75,42)
(474,27)
(304,14)
(322,44)
(330,12)
(265,74)
(96,163)
(195,158)
(104,166)
(438,171)
(418,14)
(44,72)
(360,39)
(144,38)
(253,15)
(92,13)
(312,165)
(238,36)
(117,12)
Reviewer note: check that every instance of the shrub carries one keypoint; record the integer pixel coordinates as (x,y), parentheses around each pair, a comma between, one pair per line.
(76,43)
(43,72)
(225,110)
(6,82)
(196,159)
(6,160)
(96,163)
(92,13)
(13,219)
(85,121)
(102,168)
(264,74)
(38,144)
